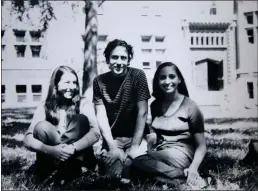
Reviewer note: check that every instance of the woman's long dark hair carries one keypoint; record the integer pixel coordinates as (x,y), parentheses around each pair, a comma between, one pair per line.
(157,92)
(53,100)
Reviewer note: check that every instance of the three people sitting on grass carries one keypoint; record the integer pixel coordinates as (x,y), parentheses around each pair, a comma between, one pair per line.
(64,128)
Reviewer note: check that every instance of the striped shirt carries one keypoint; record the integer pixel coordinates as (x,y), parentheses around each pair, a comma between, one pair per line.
(122,107)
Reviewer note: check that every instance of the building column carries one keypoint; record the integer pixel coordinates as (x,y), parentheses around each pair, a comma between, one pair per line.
(187,68)
(230,78)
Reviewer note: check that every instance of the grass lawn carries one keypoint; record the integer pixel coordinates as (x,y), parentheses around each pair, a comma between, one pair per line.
(227,141)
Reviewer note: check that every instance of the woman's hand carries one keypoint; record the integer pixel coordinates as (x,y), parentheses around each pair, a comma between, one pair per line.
(69,148)
(61,152)
(192,176)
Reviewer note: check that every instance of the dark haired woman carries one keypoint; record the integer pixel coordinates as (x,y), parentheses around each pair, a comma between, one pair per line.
(60,133)
(178,124)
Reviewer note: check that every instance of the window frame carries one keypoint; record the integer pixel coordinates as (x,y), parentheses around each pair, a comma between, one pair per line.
(3,87)
(146,66)
(21,94)
(35,35)
(102,38)
(250,90)
(146,38)
(160,39)
(247,14)
(33,52)
(250,36)
(19,53)
(35,94)
(19,36)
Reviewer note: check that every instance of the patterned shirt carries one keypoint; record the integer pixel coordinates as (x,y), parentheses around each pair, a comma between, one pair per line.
(122,109)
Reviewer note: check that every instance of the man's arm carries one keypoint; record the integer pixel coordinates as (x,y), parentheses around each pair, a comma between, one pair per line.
(142,107)
(104,126)
(93,135)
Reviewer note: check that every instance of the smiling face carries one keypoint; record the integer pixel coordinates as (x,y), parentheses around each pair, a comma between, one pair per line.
(118,61)
(67,85)
(168,79)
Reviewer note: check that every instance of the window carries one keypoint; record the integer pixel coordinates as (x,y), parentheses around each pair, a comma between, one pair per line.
(201,40)
(213,11)
(197,40)
(3,48)
(146,65)
(102,38)
(36,91)
(222,40)
(160,51)
(249,18)
(146,51)
(3,93)
(35,35)
(209,75)
(250,35)
(250,89)
(21,91)
(217,40)
(191,40)
(215,76)
(20,50)
(34,2)
(211,40)
(35,50)
(158,63)
(159,38)
(146,38)
(2,33)
(20,34)
(207,40)
(18,3)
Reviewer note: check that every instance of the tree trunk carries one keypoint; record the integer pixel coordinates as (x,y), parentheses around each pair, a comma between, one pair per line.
(90,44)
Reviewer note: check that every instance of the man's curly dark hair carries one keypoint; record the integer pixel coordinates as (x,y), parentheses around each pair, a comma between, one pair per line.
(113,44)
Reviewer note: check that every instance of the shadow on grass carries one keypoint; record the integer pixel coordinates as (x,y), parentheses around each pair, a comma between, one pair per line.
(14,128)
(13,166)
(226,143)
(20,111)
(93,181)
(249,132)
(229,120)
(249,178)
(11,143)
(216,164)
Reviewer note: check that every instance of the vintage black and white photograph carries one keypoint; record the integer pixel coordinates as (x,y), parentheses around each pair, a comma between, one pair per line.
(129,95)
